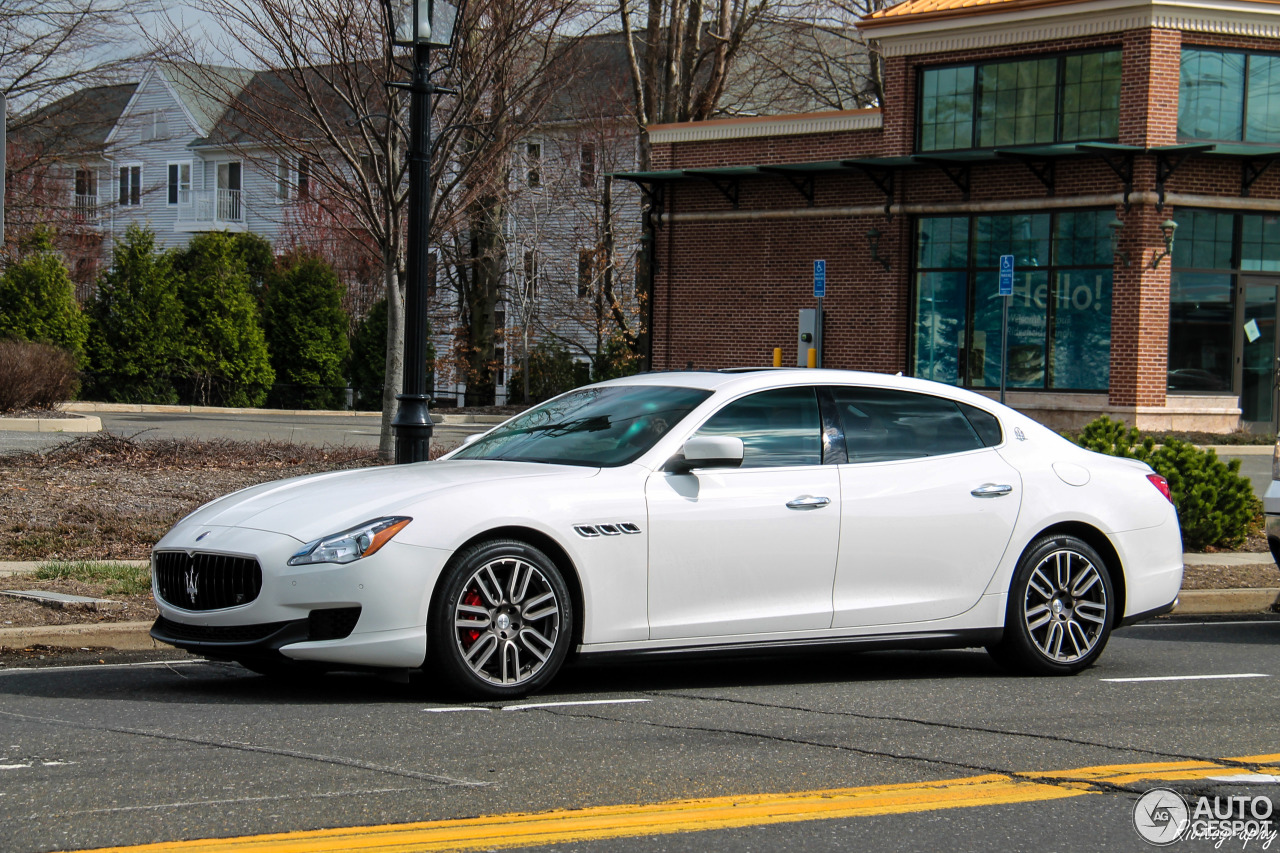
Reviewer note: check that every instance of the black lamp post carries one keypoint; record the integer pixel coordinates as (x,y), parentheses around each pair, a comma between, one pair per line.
(422,25)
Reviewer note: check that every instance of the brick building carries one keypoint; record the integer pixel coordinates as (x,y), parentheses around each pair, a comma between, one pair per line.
(1119,150)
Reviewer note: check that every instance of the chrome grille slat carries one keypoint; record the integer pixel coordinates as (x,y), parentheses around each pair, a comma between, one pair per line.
(221,580)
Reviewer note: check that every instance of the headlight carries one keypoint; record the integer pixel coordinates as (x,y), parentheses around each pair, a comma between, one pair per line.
(350,545)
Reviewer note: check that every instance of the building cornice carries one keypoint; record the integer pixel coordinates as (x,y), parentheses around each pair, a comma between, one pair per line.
(746,128)
(982,27)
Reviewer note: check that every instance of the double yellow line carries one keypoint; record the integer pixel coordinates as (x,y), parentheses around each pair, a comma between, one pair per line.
(524,830)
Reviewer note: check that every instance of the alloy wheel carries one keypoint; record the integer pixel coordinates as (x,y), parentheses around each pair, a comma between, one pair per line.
(1065,606)
(506,621)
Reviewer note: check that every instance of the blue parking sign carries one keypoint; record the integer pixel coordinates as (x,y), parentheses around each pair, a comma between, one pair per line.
(1006,275)
(819,279)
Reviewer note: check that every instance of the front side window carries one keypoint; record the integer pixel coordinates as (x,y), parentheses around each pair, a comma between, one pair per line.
(597,427)
(1059,314)
(777,428)
(1041,100)
(884,424)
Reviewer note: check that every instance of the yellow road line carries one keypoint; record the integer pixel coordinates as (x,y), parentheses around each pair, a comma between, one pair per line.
(522,830)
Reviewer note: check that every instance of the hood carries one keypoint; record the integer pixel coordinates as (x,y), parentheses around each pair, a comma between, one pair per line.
(317,505)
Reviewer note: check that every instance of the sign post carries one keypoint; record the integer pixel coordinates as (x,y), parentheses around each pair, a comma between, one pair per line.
(1006,296)
(819,292)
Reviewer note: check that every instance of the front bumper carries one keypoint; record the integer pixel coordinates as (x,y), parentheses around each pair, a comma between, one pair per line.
(293,614)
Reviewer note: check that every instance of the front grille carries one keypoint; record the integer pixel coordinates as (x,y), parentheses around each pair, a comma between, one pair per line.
(217,633)
(206,581)
(335,623)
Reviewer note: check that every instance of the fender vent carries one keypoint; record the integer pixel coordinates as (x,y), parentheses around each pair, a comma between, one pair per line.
(590,531)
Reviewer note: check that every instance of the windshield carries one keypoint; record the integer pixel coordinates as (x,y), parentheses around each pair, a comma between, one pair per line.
(600,427)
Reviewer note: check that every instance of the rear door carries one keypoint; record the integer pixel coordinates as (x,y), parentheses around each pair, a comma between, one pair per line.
(929,506)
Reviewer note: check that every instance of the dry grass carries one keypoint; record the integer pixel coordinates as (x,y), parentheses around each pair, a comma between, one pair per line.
(105,497)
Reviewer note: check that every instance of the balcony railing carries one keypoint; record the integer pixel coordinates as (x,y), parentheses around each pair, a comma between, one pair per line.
(210,206)
(85,208)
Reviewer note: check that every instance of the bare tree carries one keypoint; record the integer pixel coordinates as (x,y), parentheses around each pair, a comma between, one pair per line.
(55,57)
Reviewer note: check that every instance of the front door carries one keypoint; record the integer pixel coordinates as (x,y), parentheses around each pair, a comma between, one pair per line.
(1258,352)
(750,550)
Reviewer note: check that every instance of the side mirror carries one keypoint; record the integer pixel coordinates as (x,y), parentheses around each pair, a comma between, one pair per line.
(471,438)
(708,451)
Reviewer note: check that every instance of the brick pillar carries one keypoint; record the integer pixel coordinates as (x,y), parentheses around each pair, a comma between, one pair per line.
(1140,295)
(898,109)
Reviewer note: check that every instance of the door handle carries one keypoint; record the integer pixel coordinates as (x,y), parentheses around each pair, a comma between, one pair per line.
(808,502)
(991,490)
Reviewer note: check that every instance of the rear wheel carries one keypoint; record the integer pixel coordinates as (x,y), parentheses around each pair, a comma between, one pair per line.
(1061,609)
(501,625)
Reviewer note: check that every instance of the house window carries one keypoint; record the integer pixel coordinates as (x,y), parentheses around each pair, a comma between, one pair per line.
(130,186)
(283,183)
(87,184)
(1229,95)
(155,125)
(587,166)
(1063,98)
(179,183)
(584,272)
(533,163)
(500,365)
(530,275)
(1059,316)
(304,178)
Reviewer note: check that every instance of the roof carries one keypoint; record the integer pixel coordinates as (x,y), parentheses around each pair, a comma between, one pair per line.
(76,124)
(205,89)
(932,9)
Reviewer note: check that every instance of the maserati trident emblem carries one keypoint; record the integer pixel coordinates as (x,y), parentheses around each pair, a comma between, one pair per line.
(192,578)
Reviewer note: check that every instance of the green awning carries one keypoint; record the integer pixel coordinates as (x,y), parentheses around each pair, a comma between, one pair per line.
(1245,151)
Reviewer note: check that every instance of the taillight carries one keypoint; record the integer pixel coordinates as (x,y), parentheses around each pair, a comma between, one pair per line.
(1162,484)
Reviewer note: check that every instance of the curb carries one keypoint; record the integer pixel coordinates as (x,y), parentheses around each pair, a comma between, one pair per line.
(79,423)
(136,636)
(140,408)
(128,636)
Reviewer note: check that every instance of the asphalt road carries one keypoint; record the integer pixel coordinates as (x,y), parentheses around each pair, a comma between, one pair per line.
(128,754)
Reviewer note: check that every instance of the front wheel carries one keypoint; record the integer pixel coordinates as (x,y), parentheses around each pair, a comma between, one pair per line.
(501,626)
(1061,609)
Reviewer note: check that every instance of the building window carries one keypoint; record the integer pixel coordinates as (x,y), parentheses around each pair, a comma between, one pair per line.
(85,201)
(1063,98)
(284,183)
(130,186)
(155,125)
(500,365)
(587,166)
(179,183)
(533,163)
(1059,315)
(304,178)
(585,258)
(530,275)
(1212,249)
(1229,95)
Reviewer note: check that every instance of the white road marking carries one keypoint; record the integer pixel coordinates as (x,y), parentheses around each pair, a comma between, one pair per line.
(534,705)
(1191,677)
(79,668)
(568,704)
(1252,778)
(14,766)
(452,710)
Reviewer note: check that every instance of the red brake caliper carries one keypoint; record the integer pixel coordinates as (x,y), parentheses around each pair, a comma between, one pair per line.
(472,598)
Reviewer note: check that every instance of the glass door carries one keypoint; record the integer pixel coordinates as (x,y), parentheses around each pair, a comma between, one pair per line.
(1257,330)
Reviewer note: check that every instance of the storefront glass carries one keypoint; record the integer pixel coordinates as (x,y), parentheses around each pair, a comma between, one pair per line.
(1059,314)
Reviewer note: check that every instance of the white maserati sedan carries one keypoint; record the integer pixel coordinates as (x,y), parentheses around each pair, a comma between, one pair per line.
(734,511)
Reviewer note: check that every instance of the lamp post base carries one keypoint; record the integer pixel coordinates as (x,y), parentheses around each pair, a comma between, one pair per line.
(413,428)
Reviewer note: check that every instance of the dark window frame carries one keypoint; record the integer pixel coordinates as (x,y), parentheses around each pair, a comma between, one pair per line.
(975,123)
(1244,94)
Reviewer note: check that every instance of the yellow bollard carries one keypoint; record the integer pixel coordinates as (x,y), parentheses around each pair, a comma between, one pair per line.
(777,356)
(813,357)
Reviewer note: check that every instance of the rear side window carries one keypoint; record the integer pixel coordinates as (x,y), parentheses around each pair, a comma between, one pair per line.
(985,424)
(881,424)
(779,427)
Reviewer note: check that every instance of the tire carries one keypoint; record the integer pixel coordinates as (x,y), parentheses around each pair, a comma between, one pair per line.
(502,622)
(1061,609)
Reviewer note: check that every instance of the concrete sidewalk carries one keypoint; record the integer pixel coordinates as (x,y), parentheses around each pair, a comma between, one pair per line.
(134,635)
